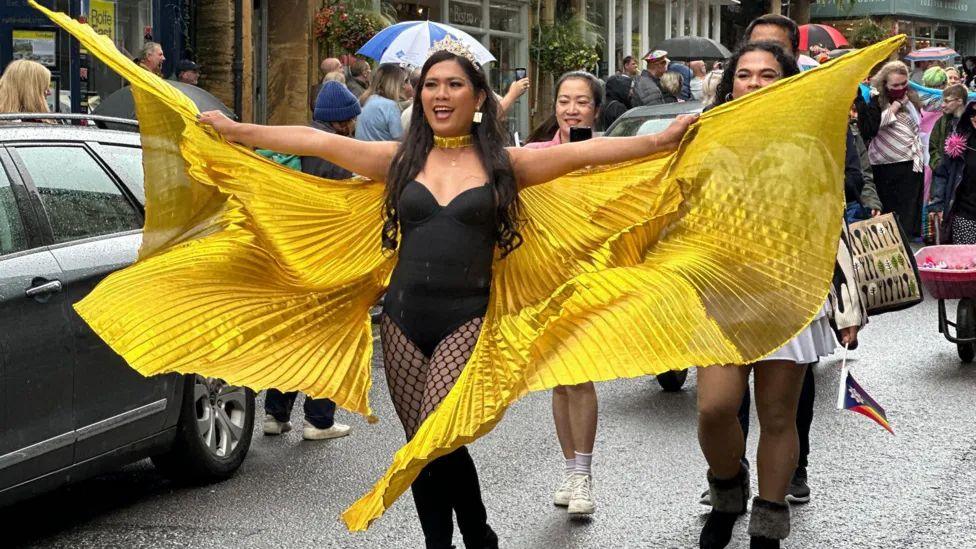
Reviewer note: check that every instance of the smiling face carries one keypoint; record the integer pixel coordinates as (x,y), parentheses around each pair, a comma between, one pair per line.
(755,70)
(449,99)
(575,106)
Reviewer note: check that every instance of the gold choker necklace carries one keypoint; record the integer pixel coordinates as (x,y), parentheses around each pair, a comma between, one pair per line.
(453,142)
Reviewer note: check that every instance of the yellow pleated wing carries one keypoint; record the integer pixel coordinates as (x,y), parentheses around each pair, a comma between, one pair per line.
(718,253)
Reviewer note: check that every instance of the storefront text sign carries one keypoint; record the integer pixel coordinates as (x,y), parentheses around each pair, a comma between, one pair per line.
(468,15)
(944,10)
(101,17)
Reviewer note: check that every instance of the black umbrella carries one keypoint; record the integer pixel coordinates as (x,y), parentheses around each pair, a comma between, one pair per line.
(121,105)
(690,48)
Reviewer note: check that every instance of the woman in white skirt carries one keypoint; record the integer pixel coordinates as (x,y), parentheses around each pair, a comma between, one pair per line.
(778,378)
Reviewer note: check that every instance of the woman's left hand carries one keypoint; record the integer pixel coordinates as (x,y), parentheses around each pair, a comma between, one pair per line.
(848,336)
(671,136)
(875,213)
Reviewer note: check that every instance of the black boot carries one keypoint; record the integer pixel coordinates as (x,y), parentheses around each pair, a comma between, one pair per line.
(729,499)
(769,523)
(433,508)
(465,496)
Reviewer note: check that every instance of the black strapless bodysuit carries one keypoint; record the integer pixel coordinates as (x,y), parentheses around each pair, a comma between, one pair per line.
(443,272)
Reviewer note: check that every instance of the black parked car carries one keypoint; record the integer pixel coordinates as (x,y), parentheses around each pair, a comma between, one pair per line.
(71,212)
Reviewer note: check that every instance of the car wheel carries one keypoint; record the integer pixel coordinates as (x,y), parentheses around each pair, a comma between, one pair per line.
(672,381)
(213,434)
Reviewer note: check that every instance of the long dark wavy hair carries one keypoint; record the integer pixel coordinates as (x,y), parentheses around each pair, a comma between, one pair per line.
(723,93)
(489,141)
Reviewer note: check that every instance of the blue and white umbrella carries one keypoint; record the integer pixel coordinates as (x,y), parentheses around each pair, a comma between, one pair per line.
(408,43)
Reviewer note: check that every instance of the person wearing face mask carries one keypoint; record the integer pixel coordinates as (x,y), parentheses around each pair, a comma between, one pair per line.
(891,121)
(953,203)
(579,98)
(779,378)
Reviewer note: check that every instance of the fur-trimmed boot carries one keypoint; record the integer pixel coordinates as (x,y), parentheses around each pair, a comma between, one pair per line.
(769,523)
(729,499)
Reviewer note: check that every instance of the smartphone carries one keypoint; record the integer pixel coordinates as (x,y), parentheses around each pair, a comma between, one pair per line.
(580,133)
(520,73)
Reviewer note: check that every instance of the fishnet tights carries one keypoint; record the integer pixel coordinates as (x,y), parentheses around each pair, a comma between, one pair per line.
(418,383)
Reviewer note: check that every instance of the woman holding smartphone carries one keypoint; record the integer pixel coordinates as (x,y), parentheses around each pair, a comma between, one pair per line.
(574,407)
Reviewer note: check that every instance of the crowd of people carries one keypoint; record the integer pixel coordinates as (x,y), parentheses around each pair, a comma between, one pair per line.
(432,134)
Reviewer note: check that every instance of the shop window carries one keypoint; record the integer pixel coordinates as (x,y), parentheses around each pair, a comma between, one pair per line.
(505,16)
(941,33)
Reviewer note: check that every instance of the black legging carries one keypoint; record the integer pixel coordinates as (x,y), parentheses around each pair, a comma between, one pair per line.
(450,483)
(804,416)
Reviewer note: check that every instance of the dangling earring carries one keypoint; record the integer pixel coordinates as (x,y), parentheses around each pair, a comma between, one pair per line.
(478,116)
(728,96)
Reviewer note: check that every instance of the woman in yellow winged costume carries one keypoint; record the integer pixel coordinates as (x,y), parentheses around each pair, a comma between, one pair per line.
(263,276)
(452,196)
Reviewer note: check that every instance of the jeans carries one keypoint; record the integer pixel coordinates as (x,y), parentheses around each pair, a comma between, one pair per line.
(804,416)
(320,412)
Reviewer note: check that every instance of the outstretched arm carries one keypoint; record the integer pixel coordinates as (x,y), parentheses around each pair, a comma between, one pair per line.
(369,159)
(535,166)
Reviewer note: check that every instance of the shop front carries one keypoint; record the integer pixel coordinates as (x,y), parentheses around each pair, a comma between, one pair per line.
(501,25)
(926,23)
(78,80)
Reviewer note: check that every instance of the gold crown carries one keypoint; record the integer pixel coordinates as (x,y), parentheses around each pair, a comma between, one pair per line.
(458,48)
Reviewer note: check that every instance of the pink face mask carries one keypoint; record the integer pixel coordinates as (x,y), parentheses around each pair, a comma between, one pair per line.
(897,95)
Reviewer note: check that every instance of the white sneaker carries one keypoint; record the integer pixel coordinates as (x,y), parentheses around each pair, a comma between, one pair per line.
(582,501)
(565,491)
(274,427)
(311,432)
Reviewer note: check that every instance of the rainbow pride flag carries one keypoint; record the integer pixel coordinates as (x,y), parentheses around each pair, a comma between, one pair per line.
(856,399)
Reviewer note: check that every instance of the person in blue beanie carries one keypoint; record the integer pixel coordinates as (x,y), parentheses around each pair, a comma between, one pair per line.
(336,109)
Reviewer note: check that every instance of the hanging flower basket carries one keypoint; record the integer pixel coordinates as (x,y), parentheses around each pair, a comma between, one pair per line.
(339,23)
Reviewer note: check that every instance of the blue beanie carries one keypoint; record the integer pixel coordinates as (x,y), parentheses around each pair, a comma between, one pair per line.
(335,103)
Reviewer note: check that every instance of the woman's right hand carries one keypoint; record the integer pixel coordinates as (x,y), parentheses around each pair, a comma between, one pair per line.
(895,106)
(671,136)
(218,121)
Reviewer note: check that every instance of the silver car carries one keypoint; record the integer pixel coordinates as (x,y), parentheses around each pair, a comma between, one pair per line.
(71,212)
(647,120)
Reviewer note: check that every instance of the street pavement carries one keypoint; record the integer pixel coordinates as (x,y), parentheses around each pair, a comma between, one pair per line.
(870,489)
